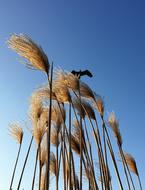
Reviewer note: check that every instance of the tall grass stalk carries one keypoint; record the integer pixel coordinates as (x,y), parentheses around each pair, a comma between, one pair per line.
(49,130)
(112,155)
(70,156)
(24,165)
(35,167)
(17,158)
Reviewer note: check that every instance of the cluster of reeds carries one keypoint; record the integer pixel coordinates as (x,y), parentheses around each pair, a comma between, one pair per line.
(72,137)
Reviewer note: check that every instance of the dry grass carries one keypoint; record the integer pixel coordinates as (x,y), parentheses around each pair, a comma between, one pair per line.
(51,116)
(16,132)
(28,49)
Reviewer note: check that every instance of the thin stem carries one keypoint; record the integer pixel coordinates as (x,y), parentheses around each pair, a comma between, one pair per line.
(115,164)
(59,162)
(104,168)
(81,141)
(19,183)
(15,166)
(40,168)
(74,175)
(91,156)
(64,166)
(139,181)
(36,160)
(106,160)
(123,162)
(128,169)
(49,131)
(113,156)
(70,146)
(57,166)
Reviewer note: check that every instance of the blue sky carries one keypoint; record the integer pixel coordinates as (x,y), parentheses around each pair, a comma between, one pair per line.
(106,37)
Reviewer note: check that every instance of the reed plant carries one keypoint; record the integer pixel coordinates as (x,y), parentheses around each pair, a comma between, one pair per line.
(65,127)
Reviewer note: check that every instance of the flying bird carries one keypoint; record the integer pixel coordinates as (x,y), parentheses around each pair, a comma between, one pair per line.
(80,73)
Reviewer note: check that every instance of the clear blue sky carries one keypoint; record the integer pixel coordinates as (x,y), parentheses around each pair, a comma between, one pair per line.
(106,37)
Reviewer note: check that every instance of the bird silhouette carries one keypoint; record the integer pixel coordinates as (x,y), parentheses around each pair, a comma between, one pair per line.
(80,73)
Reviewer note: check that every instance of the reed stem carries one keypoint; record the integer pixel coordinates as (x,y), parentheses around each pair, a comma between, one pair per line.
(20,145)
(26,158)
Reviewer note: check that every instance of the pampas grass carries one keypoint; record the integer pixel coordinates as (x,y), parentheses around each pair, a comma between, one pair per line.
(132,166)
(29,50)
(58,144)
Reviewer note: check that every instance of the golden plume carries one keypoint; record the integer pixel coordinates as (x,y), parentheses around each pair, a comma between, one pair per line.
(16,132)
(78,107)
(89,111)
(67,78)
(52,163)
(29,50)
(43,156)
(86,91)
(61,91)
(35,109)
(40,128)
(43,92)
(115,127)
(55,135)
(131,163)
(98,103)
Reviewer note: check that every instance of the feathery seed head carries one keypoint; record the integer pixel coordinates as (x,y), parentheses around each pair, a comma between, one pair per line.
(58,114)
(99,105)
(29,50)
(44,117)
(78,107)
(68,79)
(44,93)
(55,135)
(131,163)
(35,108)
(43,156)
(115,127)
(76,124)
(61,91)
(38,131)
(86,91)
(89,111)
(52,163)
(75,144)
(16,132)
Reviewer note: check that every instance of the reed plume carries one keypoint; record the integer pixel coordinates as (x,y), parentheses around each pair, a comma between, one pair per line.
(132,166)
(86,91)
(52,164)
(43,92)
(113,123)
(38,131)
(61,91)
(68,79)
(131,163)
(29,50)
(35,108)
(16,132)
(84,108)
(99,105)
